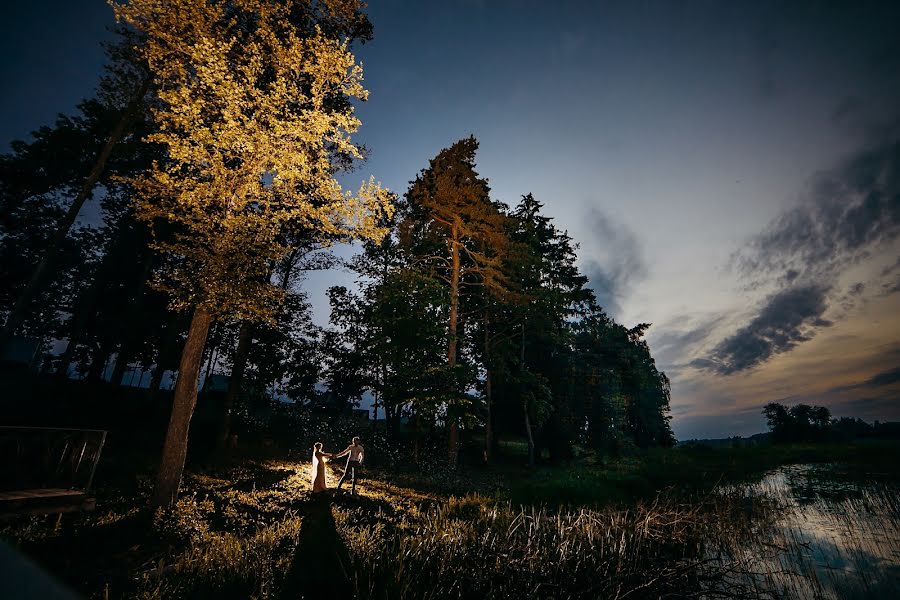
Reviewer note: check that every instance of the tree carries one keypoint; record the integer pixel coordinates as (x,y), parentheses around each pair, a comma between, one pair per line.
(450,226)
(120,105)
(798,423)
(255,118)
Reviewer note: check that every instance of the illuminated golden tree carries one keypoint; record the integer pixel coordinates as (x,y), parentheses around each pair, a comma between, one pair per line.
(254,110)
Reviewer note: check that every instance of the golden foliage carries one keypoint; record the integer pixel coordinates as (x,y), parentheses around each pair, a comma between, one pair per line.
(256,116)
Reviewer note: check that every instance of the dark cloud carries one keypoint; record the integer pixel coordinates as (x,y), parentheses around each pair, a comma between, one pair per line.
(786,319)
(623,262)
(885,407)
(853,209)
(891,275)
(883,379)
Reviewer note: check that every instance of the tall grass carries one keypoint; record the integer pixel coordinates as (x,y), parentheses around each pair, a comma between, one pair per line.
(218,565)
(249,531)
(473,548)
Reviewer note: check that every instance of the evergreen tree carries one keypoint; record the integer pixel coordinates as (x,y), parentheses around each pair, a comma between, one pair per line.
(459,235)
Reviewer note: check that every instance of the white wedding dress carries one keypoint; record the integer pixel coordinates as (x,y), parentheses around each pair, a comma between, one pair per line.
(318,472)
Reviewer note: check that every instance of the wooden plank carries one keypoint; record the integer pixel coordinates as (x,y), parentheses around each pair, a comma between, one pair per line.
(40,493)
(15,510)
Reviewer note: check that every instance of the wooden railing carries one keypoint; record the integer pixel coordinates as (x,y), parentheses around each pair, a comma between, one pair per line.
(45,469)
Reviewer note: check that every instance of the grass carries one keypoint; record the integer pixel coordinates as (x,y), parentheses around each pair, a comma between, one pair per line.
(640,526)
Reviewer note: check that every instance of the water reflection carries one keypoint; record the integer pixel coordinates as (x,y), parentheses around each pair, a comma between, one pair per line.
(831,532)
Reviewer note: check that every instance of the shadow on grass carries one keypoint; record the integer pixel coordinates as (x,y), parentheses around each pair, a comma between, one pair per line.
(321,567)
(100,555)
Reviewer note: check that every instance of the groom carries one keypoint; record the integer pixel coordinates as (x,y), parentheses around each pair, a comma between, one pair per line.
(354,454)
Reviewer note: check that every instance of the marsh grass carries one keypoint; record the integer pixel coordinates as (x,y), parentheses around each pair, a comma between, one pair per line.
(639,527)
(475,547)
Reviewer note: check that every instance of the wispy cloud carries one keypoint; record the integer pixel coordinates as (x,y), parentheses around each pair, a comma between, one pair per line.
(853,209)
(852,213)
(882,379)
(612,275)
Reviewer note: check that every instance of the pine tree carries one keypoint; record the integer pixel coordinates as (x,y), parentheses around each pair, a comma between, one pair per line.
(455,229)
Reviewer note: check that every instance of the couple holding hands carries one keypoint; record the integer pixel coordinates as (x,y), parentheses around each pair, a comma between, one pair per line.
(354,454)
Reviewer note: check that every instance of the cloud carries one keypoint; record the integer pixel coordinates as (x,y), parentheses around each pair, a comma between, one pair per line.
(852,213)
(675,340)
(853,209)
(612,275)
(787,318)
(883,379)
(891,275)
(870,408)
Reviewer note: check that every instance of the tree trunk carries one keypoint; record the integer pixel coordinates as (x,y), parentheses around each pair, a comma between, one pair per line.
(211,346)
(156,380)
(530,436)
(123,357)
(488,434)
(525,402)
(175,446)
(453,445)
(389,421)
(241,354)
(99,362)
(44,268)
(79,325)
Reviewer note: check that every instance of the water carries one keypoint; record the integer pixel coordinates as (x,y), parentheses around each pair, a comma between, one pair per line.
(823,531)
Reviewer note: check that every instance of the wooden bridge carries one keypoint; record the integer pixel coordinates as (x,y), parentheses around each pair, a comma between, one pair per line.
(46,470)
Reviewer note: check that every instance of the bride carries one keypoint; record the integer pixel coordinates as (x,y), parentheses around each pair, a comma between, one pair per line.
(318,468)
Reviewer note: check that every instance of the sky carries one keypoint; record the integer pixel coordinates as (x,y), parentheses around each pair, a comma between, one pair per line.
(731,171)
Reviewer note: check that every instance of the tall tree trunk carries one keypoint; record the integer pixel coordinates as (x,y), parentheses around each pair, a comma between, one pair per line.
(99,362)
(488,433)
(417,441)
(389,421)
(155,381)
(80,319)
(175,447)
(211,346)
(241,353)
(126,347)
(525,403)
(44,268)
(453,442)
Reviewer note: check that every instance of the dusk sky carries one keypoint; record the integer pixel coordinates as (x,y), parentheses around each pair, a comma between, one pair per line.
(731,170)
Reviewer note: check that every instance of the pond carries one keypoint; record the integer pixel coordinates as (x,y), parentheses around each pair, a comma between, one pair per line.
(826,531)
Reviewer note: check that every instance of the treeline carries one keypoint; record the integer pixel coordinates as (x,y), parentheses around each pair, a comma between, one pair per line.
(214,174)
(804,423)
(472,315)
